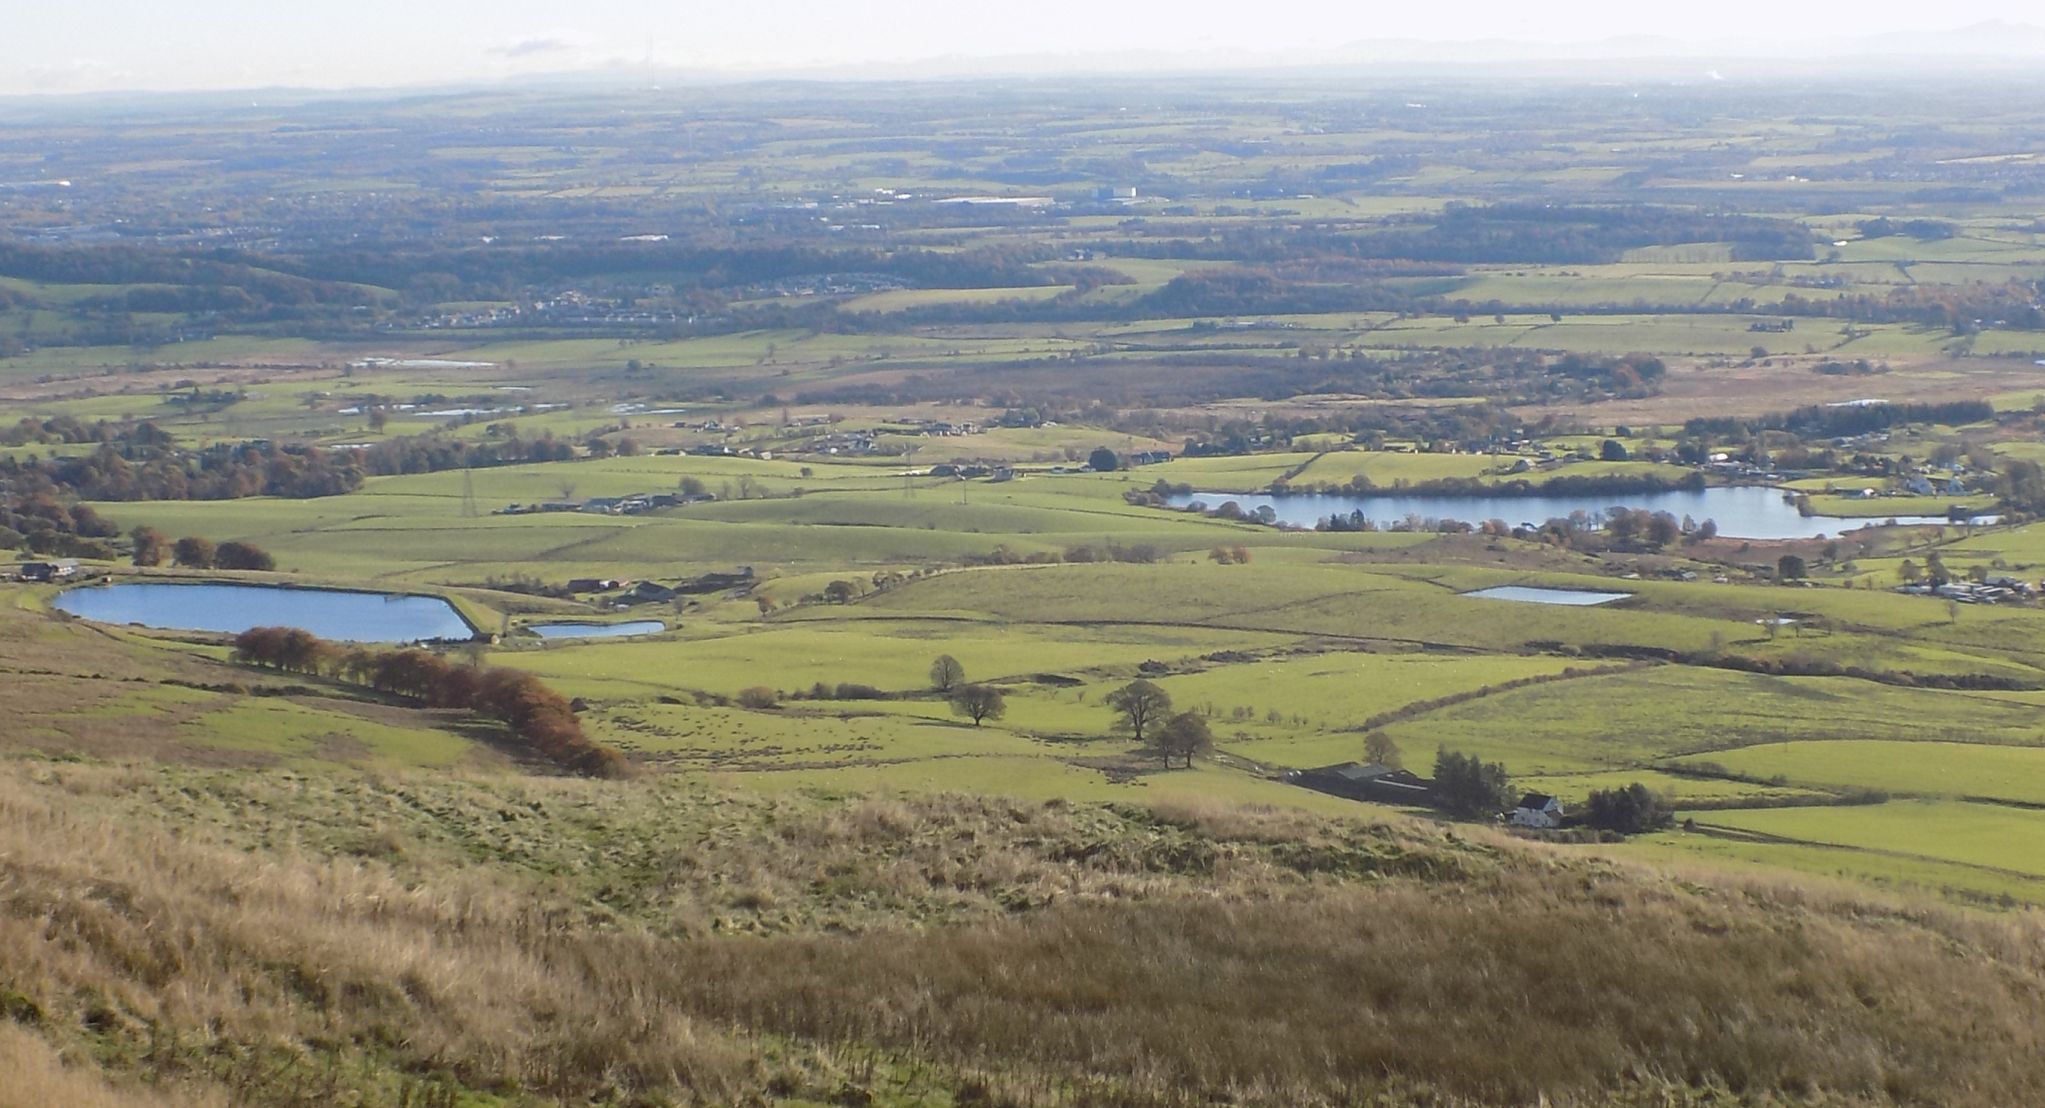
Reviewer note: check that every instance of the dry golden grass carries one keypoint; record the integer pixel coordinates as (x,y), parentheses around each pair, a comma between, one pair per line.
(307,940)
(32,1075)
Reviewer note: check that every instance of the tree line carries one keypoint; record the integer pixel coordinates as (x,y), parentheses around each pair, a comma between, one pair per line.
(140,462)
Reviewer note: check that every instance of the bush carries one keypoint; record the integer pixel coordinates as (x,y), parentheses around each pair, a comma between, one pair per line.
(243,555)
(1633,810)
(197,553)
(758,696)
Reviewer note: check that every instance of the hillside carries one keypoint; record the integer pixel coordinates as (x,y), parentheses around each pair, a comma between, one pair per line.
(226,936)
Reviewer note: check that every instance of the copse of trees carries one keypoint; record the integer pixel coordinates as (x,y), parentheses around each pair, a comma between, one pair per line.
(194,552)
(242,555)
(1470,788)
(41,523)
(1825,421)
(540,719)
(1633,810)
(148,546)
(139,461)
(1183,736)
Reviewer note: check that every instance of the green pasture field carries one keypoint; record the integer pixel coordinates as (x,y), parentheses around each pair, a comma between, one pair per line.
(1928,768)
(307,735)
(1387,468)
(904,299)
(737,740)
(1040,778)
(74,360)
(1641,718)
(1574,789)
(1701,334)
(1990,837)
(1691,852)
(892,655)
(1322,700)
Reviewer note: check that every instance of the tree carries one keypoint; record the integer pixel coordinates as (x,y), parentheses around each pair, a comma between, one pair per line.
(1468,787)
(1103,460)
(946,673)
(1183,736)
(194,552)
(1909,572)
(149,545)
(1612,450)
(1141,705)
(1633,810)
(1790,567)
(243,555)
(1379,748)
(758,696)
(979,702)
(1662,529)
(841,591)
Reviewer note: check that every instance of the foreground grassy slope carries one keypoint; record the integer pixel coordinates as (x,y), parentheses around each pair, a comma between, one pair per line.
(177,935)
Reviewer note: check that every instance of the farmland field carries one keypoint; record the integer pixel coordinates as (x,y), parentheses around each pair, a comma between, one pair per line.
(988,730)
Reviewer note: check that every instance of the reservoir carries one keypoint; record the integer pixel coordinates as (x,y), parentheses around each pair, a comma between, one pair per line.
(1741,511)
(596,630)
(1579,598)
(232,609)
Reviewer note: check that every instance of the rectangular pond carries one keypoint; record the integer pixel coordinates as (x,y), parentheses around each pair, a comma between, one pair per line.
(596,630)
(1529,594)
(334,614)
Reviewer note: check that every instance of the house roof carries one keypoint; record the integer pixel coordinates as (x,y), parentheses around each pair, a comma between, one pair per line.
(1538,801)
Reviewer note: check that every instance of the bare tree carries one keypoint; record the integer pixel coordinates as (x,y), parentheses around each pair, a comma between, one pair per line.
(946,673)
(1381,750)
(979,702)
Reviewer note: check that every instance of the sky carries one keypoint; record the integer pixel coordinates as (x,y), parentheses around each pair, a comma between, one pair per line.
(56,46)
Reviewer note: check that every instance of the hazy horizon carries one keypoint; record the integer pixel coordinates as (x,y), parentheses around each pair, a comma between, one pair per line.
(126,45)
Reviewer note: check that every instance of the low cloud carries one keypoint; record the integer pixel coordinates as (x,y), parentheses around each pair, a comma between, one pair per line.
(533,47)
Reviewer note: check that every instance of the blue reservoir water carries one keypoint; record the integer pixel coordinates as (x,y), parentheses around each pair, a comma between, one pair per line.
(596,630)
(1741,511)
(232,609)
(1533,595)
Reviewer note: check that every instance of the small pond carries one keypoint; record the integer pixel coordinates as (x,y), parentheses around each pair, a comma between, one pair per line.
(1741,511)
(231,609)
(1529,594)
(596,630)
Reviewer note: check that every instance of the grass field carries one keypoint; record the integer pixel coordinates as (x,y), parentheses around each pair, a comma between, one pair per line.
(1930,768)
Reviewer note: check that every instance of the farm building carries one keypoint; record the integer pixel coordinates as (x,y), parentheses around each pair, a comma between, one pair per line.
(649,592)
(1537,810)
(1360,781)
(56,569)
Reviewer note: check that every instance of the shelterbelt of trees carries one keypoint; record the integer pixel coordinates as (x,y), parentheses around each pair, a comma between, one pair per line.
(137,461)
(540,719)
